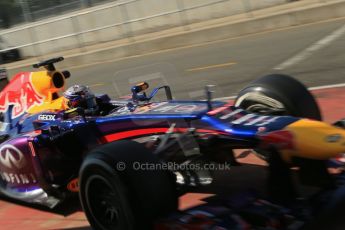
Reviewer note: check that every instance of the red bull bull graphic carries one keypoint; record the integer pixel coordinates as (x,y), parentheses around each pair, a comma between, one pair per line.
(21,94)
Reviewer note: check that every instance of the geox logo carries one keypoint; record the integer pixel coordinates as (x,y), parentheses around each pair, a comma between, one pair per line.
(46,117)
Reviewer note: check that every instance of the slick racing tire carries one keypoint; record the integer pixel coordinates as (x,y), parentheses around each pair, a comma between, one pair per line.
(115,194)
(278,94)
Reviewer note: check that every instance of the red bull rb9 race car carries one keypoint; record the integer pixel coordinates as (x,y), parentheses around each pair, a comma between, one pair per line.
(129,160)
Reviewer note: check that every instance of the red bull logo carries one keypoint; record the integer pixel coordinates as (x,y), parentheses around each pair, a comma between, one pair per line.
(21,94)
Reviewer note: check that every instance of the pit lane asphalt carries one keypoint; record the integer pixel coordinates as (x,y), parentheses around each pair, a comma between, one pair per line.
(229,64)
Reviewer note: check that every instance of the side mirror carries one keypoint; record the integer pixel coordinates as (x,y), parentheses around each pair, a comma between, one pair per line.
(138,93)
(140,87)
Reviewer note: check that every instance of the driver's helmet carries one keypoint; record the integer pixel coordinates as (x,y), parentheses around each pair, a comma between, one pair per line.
(80,96)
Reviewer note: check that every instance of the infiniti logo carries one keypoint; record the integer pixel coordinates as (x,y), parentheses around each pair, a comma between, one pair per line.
(11,157)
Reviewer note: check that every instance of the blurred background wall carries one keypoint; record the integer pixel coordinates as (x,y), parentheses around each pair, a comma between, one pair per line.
(39,27)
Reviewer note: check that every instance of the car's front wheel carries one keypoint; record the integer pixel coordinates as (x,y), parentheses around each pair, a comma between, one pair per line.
(278,94)
(116,195)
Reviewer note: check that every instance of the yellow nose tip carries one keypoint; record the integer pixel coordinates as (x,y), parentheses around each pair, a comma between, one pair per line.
(316,140)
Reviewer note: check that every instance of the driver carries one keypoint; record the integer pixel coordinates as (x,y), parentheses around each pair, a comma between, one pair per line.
(80,96)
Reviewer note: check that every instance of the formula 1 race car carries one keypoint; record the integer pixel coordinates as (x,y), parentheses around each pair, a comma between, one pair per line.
(128,159)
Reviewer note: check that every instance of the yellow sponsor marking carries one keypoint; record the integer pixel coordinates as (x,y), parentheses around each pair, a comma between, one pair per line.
(211,67)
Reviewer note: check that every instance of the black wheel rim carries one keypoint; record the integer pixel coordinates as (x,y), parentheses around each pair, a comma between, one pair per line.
(104,203)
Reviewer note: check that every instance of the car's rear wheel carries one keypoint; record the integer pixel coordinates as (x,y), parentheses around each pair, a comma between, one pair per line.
(116,195)
(278,94)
